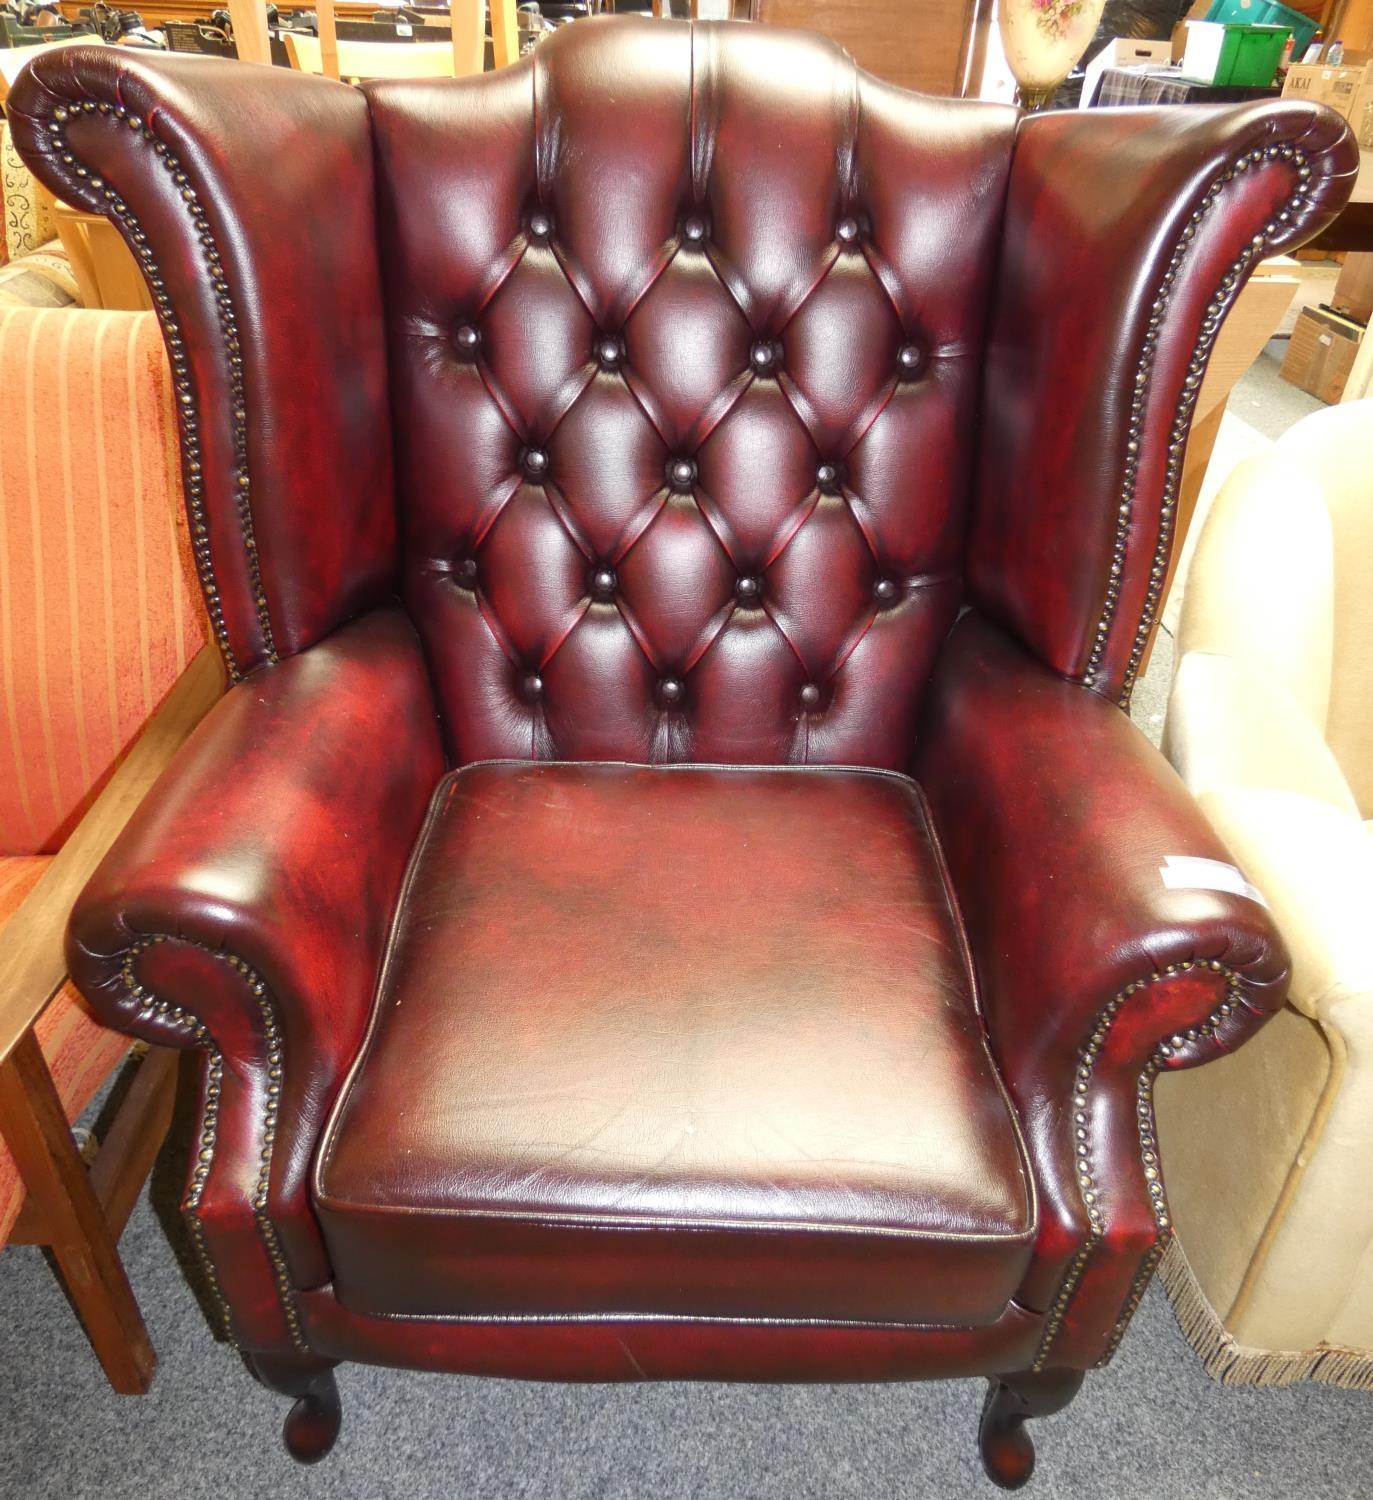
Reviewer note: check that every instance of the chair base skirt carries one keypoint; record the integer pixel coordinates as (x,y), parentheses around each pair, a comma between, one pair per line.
(574,1349)
(675,1349)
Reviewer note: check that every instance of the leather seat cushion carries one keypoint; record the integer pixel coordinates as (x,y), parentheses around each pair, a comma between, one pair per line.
(676,1041)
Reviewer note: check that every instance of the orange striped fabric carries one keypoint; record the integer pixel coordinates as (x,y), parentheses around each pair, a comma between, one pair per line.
(80,1051)
(99,610)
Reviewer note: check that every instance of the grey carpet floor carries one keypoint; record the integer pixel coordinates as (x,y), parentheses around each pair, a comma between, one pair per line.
(1150,1427)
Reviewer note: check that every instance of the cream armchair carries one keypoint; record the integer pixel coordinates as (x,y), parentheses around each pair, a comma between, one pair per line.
(1271,726)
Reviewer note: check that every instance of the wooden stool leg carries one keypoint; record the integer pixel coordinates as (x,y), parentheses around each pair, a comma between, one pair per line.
(35,1128)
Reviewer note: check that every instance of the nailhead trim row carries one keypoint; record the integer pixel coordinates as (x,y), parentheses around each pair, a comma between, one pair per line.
(1196,370)
(188,416)
(205,1152)
(1143,1277)
(1054,1321)
(1148,1144)
(209,1128)
(150,1007)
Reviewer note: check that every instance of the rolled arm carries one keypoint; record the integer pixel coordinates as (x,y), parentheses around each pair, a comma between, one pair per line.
(244,910)
(1057,818)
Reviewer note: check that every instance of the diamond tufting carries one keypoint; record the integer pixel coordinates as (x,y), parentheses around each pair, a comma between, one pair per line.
(696,457)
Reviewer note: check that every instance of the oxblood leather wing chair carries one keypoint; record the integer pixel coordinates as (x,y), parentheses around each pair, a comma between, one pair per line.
(673,892)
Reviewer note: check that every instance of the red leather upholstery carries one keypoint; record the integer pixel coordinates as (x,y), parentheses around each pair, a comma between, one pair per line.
(1108,302)
(1078,943)
(268,860)
(448,340)
(759,266)
(561,1110)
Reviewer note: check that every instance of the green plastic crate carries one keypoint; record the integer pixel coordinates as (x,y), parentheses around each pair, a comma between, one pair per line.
(1233,56)
(1267,13)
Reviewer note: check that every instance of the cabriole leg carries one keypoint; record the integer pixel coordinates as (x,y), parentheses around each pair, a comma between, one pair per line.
(1008,1451)
(312,1424)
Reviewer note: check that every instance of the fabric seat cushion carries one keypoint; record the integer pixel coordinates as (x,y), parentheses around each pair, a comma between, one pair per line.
(676,1041)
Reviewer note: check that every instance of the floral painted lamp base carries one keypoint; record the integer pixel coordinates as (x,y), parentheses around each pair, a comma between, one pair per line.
(1043,39)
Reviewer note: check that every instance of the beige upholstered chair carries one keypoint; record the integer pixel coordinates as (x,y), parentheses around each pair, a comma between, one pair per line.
(1270,1165)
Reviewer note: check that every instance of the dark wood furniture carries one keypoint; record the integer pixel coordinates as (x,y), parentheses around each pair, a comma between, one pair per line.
(935,46)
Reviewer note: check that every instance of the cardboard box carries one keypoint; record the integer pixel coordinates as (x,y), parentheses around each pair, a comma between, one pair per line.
(1361,111)
(1123,52)
(1306,81)
(1344,88)
(1337,87)
(1353,293)
(1321,353)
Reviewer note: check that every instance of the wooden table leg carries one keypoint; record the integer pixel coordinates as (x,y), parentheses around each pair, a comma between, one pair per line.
(35,1128)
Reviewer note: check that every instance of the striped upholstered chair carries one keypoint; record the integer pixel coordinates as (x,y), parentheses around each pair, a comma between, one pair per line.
(96,627)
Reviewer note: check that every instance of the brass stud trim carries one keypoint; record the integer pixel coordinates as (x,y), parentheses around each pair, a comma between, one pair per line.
(1143,1277)
(1148,1145)
(188,416)
(1054,1321)
(150,1008)
(1177,439)
(1080,1117)
(200,1172)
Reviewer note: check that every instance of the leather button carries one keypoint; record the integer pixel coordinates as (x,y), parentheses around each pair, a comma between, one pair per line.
(910,360)
(681,475)
(847,230)
(810,696)
(533,685)
(748,589)
(671,691)
(534,461)
(540,227)
(603,583)
(694,229)
(885,590)
(466,573)
(467,340)
(609,353)
(763,357)
(828,478)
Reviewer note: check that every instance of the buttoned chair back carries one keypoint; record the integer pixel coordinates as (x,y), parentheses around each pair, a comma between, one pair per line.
(686,394)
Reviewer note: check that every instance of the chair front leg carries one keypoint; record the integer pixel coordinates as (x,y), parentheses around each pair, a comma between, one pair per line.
(1008,1452)
(34,1126)
(312,1424)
